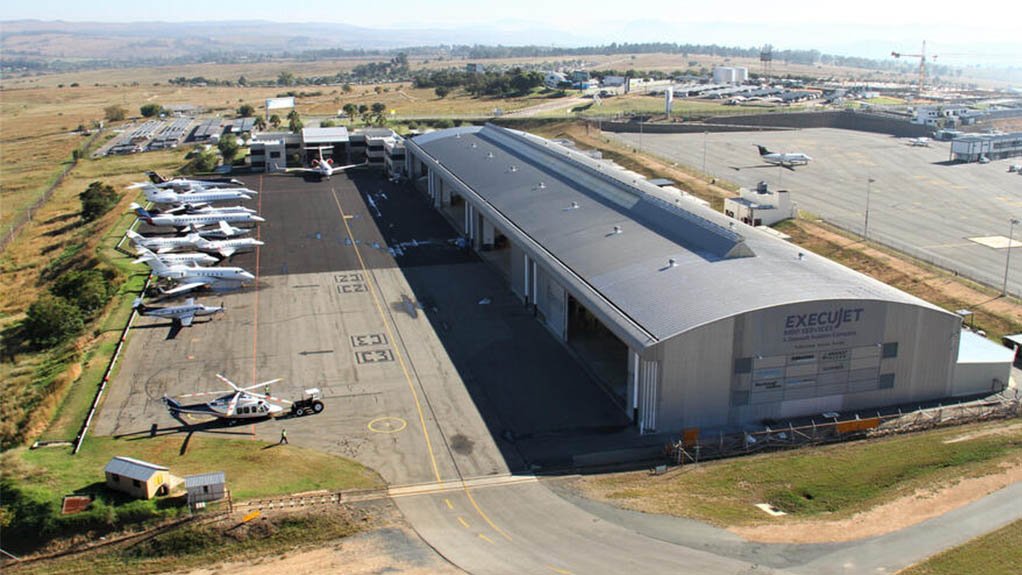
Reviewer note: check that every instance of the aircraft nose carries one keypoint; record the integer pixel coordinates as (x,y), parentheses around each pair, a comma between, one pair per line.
(247,275)
(258,219)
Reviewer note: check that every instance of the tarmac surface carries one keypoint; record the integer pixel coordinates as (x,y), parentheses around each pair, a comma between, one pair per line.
(363,292)
(919,203)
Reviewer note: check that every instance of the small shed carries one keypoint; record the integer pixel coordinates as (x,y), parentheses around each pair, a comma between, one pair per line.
(205,487)
(982,367)
(137,478)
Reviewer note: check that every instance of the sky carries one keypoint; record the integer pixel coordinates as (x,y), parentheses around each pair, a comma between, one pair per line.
(858,27)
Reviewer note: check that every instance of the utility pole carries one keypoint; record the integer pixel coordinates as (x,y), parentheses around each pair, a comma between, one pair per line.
(1007,256)
(865,223)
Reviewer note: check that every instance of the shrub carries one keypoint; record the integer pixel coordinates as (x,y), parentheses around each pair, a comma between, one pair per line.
(98,199)
(89,290)
(52,320)
(150,110)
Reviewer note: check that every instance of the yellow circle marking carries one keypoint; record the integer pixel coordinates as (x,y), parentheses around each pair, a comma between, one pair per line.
(387,425)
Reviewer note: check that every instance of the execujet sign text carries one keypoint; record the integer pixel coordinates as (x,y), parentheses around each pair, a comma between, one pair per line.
(821,324)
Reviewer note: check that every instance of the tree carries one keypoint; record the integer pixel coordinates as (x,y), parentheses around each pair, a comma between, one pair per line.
(442,91)
(275,121)
(246,110)
(350,109)
(260,123)
(52,320)
(89,290)
(97,200)
(150,110)
(115,113)
(242,81)
(228,146)
(201,160)
(294,124)
(346,88)
(285,79)
(379,108)
(327,124)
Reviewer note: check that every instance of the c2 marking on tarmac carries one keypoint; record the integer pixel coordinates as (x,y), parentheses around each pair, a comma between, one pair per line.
(387,425)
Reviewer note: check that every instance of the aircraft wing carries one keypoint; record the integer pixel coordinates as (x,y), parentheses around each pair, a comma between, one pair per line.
(227,251)
(186,320)
(164,249)
(342,168)
(188,286)
(299,170)
(225,229)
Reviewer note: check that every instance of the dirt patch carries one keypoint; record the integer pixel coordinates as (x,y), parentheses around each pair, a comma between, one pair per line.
(893,516)
(995,431)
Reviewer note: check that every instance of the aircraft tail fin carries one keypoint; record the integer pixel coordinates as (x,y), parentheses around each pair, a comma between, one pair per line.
(762,150)
(155,177)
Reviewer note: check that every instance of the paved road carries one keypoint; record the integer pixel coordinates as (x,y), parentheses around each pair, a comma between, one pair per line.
(362,293)
(917,203)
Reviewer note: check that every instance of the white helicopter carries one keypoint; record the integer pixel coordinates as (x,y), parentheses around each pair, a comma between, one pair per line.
(233,404)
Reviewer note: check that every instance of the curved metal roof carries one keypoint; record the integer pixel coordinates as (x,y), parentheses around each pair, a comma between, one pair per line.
(613,237)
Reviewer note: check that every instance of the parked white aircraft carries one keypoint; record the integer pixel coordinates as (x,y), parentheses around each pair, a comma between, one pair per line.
(188,258)
(235,403)
(204,196)
(160,245)
(185,184)
(194,221)
(180,314)
(222,231)
(226,248)
(188,278)
(920,142)
(323,167)
(786,159)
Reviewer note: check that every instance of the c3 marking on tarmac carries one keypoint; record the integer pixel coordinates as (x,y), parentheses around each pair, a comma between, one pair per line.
(374,356)
(387,425)
(368,339)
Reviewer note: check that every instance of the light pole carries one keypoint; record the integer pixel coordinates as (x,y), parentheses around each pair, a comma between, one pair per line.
(705,134)
(865,223)
(1007,256)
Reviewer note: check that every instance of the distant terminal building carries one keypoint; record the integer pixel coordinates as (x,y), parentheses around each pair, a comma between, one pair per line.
(689,318)
(973,147)
(760,207)
(275,151)
(730,75)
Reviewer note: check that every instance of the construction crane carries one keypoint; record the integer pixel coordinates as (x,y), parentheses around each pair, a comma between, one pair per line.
(922,64)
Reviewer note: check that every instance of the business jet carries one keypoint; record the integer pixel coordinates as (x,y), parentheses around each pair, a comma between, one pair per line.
(181,315)
(786,160)
(323,167)
(193,222)
(187,278)
(187,259)
(199,197)
(186,184)
(194,241)
(922,142)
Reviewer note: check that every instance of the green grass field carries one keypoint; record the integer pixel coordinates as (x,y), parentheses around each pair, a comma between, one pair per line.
(836,481)
(997,553)
(35,481)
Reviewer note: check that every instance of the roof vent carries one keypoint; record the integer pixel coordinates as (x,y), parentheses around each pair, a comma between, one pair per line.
(541,186)
(801,256)
(489,154)
(513,168)
(474,145)
(574,205)
(731,225)
(672,263)
(458,135)
(617,229)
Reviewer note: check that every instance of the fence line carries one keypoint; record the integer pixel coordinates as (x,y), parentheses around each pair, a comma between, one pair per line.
(26,216)
(691,448)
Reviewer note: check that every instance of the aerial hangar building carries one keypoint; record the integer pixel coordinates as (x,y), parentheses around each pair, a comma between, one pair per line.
(690,318)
